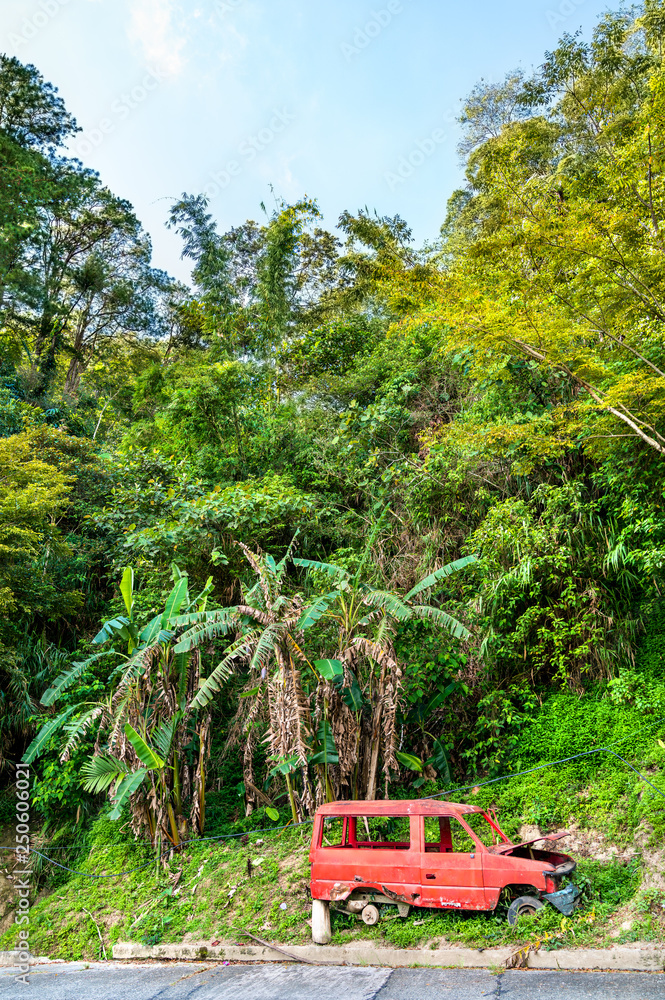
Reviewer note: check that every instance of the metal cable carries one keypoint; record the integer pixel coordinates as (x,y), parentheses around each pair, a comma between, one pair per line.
(307,822)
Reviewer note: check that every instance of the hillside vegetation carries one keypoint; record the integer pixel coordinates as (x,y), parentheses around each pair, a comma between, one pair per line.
(343,518)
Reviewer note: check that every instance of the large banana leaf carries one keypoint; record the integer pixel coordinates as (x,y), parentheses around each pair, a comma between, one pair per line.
(119,626)
(201,599)
(335,571)
(427,613)
(127,787)
(174,601)
(440,761)
(313,612)
(68,677)
(326,749)
(408,760)
(202,632)
(78,727)
(212,684)
(265,646)
(388,602)
(144,753)
(441,574)
(352,696)
(127,589)
(149,631)
(45,733)
(329,669)
(162,737)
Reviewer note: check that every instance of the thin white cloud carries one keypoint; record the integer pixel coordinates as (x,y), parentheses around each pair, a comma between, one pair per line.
(151,27)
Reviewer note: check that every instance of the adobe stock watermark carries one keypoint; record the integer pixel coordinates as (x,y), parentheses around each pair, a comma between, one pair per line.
(223,7)
(22,873)
(420,152)
(248,150)
(561,14)
(45,11)
(120,110)
(365,34)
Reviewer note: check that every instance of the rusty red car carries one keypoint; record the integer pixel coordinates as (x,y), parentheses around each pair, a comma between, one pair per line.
(423,853)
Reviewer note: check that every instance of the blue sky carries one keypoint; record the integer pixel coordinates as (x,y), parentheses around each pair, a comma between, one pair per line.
(317,98)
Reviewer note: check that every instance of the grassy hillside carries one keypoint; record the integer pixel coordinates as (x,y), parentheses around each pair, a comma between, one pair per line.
(207,893)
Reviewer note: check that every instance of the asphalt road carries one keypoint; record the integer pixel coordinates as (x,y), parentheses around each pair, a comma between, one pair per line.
(114,981)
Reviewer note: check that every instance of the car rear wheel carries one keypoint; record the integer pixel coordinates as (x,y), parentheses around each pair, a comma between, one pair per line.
(370,915)
(523,906)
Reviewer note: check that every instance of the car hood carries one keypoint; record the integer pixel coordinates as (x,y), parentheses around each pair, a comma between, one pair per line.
(509,848)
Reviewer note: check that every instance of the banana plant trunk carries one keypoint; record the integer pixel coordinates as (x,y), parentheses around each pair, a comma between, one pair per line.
(374,753)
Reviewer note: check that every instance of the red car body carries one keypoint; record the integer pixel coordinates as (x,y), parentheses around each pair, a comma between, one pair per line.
(424,867)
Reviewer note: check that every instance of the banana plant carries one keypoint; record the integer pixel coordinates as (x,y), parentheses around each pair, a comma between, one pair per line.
(153,690)
(271,633)
(104,770)
(366,619)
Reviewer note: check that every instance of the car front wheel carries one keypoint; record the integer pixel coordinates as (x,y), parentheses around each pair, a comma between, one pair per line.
(523,906)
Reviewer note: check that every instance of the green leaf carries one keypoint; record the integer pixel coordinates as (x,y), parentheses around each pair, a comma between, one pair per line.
(250,694)
(201,599)
(68,677)
(352,696)
(265,646)
(329,669)
(388,602)
(144,753)
(285,766)
(175,600)
(163,735)
(426,612)
(100,772)
(440,761)
(149,631)
(315,611)
(217,624)
(441,574)
(127,787)
(127,589)
(334,571)
(325,746)
(115,627)
(272,814)
(45,733)
(212,684)
(413,763)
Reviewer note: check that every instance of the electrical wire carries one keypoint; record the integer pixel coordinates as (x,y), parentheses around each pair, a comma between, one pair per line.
(564,760)
(307,822)
(165,850)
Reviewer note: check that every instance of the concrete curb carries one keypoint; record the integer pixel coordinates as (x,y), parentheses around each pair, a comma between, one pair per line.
(641,958)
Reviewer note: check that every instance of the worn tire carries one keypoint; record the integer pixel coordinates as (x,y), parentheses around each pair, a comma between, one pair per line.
(523,906)
(370,915)
(321,932)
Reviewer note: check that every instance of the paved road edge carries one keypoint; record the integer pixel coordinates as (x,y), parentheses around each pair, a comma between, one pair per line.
(639,958)
(635,958)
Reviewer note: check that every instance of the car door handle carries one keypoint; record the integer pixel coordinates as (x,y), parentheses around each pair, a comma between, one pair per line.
(430,876)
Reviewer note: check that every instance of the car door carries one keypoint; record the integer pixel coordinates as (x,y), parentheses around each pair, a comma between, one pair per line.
(451,865)
(380,851)
(386,859)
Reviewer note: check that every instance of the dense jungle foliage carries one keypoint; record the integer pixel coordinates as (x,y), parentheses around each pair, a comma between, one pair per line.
(345,518)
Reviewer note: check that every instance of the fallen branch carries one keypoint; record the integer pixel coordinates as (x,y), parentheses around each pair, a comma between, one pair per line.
(294,958)
(101,939)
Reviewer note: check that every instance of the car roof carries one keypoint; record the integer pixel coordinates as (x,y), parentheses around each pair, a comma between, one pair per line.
(395,807)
